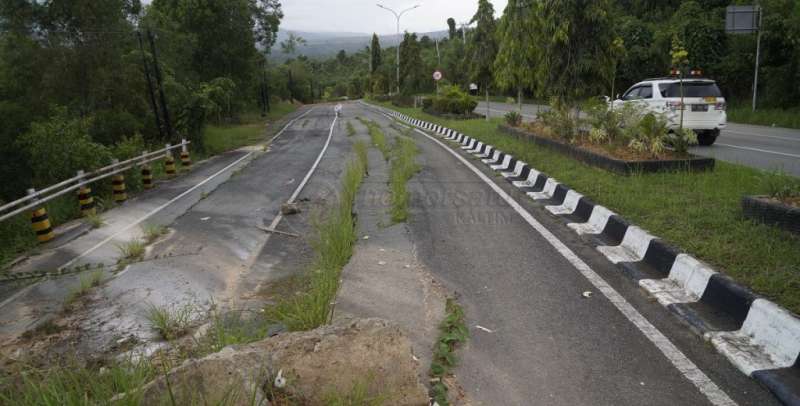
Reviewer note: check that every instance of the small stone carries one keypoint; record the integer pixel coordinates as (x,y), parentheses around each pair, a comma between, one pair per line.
(288,209)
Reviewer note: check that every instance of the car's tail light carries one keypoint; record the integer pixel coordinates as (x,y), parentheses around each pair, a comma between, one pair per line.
(721,106)
(674,105)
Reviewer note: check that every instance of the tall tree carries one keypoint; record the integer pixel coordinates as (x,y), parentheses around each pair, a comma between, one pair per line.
(375,54)
(575,48)
(483,47)
(411,66)
(451,28)
(516,56)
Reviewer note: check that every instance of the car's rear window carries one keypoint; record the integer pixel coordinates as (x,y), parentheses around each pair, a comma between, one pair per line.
(690,89)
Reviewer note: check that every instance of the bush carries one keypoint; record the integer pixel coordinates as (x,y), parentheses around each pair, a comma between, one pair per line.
(559,119)
(57,148)
(403,101)
(513,118)
(109,125)
(452,101)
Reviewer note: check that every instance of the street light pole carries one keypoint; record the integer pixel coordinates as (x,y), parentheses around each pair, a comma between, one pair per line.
(397,16)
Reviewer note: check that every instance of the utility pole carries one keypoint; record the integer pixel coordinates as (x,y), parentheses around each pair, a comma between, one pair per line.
(464,26)
(758,55)
(397,16)
(162,96)
(150,90)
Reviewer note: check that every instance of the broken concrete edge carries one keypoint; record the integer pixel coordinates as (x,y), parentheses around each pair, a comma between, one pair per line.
(765,344)
(369,354)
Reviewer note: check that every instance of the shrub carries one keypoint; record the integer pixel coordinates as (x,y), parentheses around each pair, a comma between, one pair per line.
(57,148)
(129,147)
(681,140)
(559,119)
(513,118)
(109,125)
(453,101)
(650,135)
(402,100)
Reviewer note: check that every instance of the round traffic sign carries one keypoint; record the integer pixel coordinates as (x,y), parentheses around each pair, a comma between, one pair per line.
(437,75)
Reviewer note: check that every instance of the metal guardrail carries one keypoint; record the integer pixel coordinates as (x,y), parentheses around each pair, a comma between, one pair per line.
(37,198)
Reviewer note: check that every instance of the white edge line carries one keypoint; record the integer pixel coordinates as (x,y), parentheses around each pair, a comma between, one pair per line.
(759,150)
(296,193)
(682,363)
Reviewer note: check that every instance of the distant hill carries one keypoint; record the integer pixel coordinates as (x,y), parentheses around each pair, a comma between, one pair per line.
(327,44)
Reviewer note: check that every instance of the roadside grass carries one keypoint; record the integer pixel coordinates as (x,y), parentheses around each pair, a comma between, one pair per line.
(403,167)
(333,246)
(95,221)
(787,118)
(250,130)
(700,213)
(171,322)
(74,384)
(453,332)
(85,284)
(351,131)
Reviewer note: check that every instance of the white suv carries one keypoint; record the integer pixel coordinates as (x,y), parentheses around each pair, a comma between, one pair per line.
(705,106)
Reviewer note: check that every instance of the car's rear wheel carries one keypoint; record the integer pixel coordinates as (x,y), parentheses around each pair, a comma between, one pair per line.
(707,138)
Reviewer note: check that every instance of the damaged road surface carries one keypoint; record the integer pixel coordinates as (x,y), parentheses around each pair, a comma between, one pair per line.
(536,335)
(209,258)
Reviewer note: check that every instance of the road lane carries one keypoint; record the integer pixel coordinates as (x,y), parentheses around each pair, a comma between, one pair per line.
(547,344)
(761,147)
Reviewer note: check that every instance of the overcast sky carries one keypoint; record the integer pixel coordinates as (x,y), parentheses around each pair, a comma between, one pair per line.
(364,16)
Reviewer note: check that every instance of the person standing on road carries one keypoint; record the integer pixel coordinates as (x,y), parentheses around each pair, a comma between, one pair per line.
(338,109)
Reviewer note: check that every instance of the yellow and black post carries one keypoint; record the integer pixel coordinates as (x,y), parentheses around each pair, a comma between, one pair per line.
(118,187)
(147,173)
(41,223)
(85,199)
(186,161)
(169,162)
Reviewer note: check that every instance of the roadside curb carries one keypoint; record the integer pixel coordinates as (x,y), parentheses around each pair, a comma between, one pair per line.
(756,335)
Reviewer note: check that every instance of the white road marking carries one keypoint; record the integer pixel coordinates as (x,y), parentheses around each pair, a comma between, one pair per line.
(682,363)
(759,150)
(173,200)
(296,193)
(760,135)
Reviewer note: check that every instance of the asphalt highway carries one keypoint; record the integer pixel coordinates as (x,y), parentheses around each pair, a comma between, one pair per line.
(534,337)
(767,148)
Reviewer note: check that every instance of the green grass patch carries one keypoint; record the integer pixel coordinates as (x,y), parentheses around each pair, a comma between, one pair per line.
(152,232)
(131,251)
(378,137)
(351,131)
(452,333)
(698,212)
(788,118)
(250,130)
(333,246)
(404,166)
(74,384)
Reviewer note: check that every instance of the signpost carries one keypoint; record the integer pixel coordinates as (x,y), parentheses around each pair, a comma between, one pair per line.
(437,76)
(746,20)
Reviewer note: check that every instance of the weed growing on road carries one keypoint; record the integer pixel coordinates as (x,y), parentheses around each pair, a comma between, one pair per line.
(85,284)
(95,220)
(131,251)
(333,245)
(351,131)
(361,153)
(378,137)
(404,166)
(452,333)
(171,322)
(152,232)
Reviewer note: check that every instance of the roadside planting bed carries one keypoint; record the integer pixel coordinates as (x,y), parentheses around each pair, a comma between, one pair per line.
(698,212)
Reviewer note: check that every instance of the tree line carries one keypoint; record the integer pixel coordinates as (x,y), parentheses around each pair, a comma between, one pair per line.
(85,81)
(576,49)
